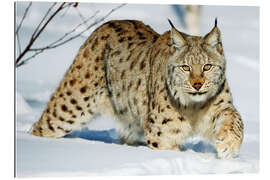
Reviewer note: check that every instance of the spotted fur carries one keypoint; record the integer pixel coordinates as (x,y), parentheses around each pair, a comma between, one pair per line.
(161,88)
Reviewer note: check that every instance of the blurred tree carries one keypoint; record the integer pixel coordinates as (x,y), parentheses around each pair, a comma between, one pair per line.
(189,16)
(192,17)
(179,10)
(29,52)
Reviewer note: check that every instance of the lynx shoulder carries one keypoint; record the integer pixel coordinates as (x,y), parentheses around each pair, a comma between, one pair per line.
(161,88)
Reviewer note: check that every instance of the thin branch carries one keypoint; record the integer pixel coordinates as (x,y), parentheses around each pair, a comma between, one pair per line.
(78,35)
(44,17)
(60,41)
(47,22)
(82,17)
(114,9)
(24,15)
(32,40)
(19,43)
(27,59)
(54,44)
(69,5)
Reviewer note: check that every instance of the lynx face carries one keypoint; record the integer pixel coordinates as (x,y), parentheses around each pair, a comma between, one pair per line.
(196,70)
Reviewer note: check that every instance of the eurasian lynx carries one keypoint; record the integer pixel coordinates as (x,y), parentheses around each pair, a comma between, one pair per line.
(162,88)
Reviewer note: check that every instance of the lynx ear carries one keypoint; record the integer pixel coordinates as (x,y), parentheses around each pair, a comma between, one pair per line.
(177,40)
(214,36)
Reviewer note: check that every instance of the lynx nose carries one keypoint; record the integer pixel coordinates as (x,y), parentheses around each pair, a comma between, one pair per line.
(197,85)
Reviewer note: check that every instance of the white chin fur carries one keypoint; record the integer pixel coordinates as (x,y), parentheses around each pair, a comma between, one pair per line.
(188,99)
(198,98)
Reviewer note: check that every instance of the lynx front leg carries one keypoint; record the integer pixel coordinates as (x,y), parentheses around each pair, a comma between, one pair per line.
(229,136)
(166,131)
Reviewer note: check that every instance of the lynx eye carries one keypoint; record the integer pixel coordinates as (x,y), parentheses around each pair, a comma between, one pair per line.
(185,68)
(207,67)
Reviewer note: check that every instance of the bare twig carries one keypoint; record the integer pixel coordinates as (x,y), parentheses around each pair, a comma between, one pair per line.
(76,4)
(33,38)
(27,59)
(65,11)
(20,24)
(114,9)
(63,39)
(82,17)
(42,20)
(19,43)
(54,44)
(78,35)
(24,15)
(69,4)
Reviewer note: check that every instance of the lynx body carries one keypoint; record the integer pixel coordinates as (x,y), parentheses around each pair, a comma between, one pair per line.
(162,89)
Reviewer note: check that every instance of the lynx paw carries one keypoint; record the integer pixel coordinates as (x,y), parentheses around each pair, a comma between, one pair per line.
(227,145)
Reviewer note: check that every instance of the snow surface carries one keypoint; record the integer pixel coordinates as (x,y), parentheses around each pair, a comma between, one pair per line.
(95,149)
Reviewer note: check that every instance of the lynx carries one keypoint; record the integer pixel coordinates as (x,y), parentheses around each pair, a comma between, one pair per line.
(162,89)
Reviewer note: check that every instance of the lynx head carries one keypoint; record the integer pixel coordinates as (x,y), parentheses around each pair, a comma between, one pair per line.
(196,66)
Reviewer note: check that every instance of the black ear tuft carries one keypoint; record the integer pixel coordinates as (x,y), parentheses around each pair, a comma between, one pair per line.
(171,23)
(214,36)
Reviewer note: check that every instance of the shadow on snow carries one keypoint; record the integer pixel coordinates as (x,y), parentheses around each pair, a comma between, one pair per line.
(110,136)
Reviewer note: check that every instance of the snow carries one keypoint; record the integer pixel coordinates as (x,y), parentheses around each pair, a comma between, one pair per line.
(103,158)
(96,149)
(22,107)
